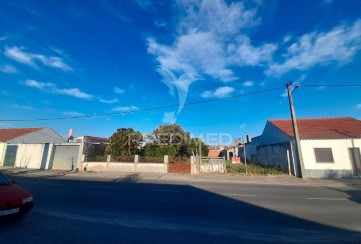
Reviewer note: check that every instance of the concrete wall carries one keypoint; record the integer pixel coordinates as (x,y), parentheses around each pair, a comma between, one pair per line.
(342,165)
(127,167)
(2,152)
(274,155)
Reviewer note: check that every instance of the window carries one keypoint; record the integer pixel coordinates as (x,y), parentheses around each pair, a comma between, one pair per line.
(323,155)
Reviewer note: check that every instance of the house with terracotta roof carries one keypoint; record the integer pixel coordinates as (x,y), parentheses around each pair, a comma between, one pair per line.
(25,145)
(92,139)
(330,146)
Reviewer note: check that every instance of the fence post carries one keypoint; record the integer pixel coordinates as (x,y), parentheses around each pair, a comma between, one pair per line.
(193,165)
(136,160)
(166,161)
(289,163)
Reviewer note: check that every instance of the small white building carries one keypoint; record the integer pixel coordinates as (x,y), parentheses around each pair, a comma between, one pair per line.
(27,147)
(330,146)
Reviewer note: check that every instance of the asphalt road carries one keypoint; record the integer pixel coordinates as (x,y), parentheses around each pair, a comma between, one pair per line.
(123,211)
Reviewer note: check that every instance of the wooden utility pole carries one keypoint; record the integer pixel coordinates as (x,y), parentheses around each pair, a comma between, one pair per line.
(295,131)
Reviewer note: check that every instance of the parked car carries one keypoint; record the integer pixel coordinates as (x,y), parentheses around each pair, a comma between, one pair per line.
(15,201)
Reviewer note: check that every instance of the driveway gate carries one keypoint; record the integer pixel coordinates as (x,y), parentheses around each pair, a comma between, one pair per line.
(65,157)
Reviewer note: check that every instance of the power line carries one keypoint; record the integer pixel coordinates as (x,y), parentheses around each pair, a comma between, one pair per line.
(335,85)
(141,110)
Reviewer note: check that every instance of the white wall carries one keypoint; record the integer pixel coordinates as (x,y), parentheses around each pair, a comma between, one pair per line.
(127,167)
(340,153)
(29,156)
(2,152)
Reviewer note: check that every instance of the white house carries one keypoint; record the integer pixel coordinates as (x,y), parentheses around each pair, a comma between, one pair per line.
(27,147)
(330,146)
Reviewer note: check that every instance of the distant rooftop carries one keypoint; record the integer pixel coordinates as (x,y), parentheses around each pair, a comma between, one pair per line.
(322,128)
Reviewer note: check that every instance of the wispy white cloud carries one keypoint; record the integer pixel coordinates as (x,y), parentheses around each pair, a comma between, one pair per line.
(220,92)
(284,94)
(21,56)
(73,92)
(125,109)
(110,101)
(39,85)
(52,88)
(248,83)
(71,113)
(358,106)
(160,23)
(118,90)
(211,39)
(3,38)
(287,38)
(337,46)
(242,126)
(115,11)
(144,4)
(8,69)
(22,107)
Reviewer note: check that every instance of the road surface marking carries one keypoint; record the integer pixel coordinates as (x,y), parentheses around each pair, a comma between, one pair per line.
(165,191)
(327,199)
(240,195)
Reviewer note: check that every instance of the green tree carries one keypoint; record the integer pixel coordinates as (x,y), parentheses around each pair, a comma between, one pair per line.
(124,142)
(172,140)
(167,140)
(193,147)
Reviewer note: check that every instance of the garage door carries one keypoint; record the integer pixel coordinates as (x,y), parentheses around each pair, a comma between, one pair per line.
(65,157)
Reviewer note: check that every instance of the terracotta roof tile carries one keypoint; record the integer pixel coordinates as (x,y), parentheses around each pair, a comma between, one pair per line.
(322,128)
(213,153)
(8,134)
(94,138)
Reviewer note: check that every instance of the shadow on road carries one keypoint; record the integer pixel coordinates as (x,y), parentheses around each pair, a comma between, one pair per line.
(121,210)
(353,194)
(133,178)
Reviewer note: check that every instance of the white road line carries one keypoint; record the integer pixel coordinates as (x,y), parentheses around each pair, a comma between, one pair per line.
(240,195)
(327,199)
(164,191)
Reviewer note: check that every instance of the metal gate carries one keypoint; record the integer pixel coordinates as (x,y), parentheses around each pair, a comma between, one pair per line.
(65,157)
(10,156)
(211,165)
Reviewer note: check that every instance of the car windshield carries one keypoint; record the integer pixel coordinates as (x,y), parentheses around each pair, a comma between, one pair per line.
(4,180)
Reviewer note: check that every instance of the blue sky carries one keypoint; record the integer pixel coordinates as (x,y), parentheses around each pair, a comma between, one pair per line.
(78,58)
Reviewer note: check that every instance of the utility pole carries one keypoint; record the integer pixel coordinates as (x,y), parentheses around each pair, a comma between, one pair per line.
(295,130)
(244,154)
(200,147)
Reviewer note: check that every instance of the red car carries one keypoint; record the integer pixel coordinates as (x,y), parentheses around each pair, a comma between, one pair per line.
(15,201)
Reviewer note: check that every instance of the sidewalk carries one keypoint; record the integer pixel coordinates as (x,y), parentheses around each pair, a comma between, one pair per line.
(139,177)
